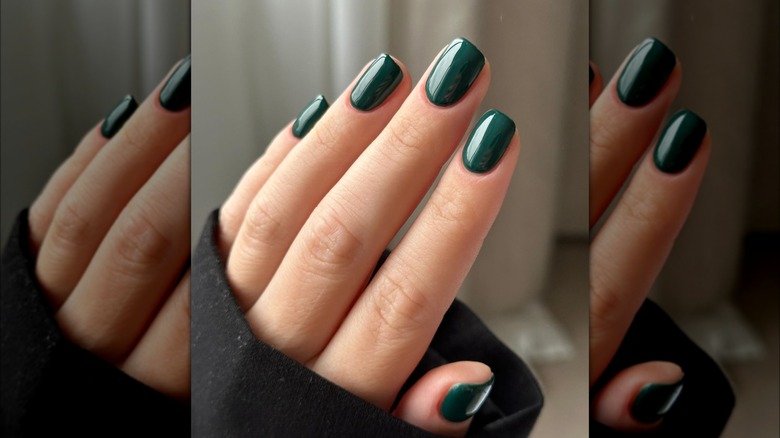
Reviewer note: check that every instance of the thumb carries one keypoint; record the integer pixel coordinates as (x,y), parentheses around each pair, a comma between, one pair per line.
(444,399)
(637,398)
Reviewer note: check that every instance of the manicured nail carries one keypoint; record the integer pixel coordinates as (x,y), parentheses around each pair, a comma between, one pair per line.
(378,82)
(309,116)
(654,401)
(175,95)
(488,141)
(454,72)
(118,116)
(645,73)
(591,75)
(464,400)
(679,142)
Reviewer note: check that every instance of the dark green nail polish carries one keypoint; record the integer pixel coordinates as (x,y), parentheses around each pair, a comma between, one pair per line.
(454,72)
(378,82)
(118,116)
(309,116)
(488,141)
(464,400)
(679,142)
(645,73)
(654,401)
(175,95)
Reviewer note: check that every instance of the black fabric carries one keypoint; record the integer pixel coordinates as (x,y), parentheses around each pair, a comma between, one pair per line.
(243,387)
(52,387)
(706,401)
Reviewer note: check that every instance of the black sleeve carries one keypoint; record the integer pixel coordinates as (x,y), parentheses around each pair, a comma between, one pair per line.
(706,401)
(52,387)
(243,387)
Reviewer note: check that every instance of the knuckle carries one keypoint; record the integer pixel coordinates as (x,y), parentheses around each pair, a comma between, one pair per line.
(603,135)
(140,244)
(326,136)
(399,308)
(70,229)
(451,209)
(261,224)
(644,212)
(406,138)
(135,137)
(330,242)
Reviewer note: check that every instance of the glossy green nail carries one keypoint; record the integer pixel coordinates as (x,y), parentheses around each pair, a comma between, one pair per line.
(645,73)
(654,401)
(309,116)
(454,72)
(118,116)
(378,82)
(464,400)
(488,141)
(679,142)
(175,95)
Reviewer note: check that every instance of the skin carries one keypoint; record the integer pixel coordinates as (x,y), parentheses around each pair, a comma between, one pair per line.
(632,245)
(111,234)
(304,227)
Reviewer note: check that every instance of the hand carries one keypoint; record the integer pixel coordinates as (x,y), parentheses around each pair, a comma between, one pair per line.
(307,223)
(111,235)
(631,246)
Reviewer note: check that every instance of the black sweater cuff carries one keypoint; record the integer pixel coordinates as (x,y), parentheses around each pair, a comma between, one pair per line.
(53,387)
(243,387)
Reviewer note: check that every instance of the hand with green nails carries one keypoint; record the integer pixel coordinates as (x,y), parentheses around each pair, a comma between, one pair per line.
(630,244)
(304,228)
(110,232)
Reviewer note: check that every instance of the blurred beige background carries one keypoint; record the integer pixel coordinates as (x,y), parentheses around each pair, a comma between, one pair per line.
(722,280)
(65,64)
(257,63)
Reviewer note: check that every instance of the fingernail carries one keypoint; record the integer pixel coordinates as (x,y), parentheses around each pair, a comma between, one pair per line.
(488,141)
(464,400)
(309,116)
(118,116)
(175,95)
(591,75)
(654,401)
(679,142)
(454,72)
(645,73)
(378,82)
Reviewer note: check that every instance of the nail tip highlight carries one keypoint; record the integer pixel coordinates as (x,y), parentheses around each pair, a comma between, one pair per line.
(679,142)
(310,115)
(454,72)
(488,142)
(645,73)
(376,84)
(118,116)
(175,94)
(463,400)
(655,400)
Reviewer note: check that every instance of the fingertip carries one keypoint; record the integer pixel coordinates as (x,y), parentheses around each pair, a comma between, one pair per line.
(637,398)
(445,399)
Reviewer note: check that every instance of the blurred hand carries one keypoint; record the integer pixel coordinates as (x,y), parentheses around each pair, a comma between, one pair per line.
(632,245)
(111,235)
